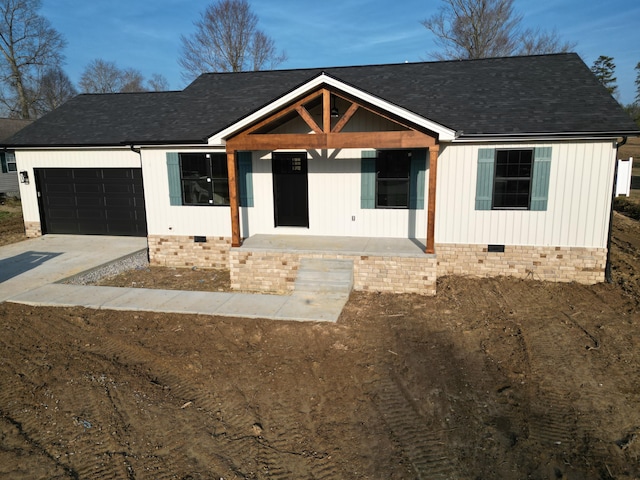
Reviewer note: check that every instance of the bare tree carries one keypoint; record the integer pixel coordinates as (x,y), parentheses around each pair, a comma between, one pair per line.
(28,46)
(158,83)
(132,81)
(102,76)
(227,39)
(55,89)
(469,29)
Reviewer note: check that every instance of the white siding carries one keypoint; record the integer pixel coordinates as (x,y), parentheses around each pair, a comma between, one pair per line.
(27,160)
(164,219)
(581,180)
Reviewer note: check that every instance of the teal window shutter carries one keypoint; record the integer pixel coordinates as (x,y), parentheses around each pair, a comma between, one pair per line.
(245,178)
(173,174)
(3,163)
(484,182)
(417,179)
(540,178)
(368,179)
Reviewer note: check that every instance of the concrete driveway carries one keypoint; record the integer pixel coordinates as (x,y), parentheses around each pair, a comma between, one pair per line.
(40,261)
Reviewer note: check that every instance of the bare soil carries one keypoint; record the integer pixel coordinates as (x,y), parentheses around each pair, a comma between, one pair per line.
(491,379)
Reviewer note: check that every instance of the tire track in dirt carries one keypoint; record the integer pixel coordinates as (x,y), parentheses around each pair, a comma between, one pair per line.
(293,449)
(552,344)
(79,421)
(425,449)
(226,436)
(227,433)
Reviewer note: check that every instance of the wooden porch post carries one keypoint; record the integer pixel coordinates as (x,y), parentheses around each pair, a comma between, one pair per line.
(431,210)
(233,198)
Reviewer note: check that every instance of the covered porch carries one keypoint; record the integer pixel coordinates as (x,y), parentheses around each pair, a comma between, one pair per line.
(324,118)
(271,262)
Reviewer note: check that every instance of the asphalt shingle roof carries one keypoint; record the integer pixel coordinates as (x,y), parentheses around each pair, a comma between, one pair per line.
(547,94)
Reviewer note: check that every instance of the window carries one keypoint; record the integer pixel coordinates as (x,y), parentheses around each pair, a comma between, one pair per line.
(7,162)
(204,179)
(392,178)
(11,161)
(512,181)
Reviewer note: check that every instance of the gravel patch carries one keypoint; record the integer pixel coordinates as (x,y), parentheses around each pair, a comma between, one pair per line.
(137,261)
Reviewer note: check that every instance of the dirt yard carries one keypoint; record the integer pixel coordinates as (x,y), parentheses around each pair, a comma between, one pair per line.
(490,379)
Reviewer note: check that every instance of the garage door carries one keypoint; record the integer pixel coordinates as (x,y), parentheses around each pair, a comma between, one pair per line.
(94,201)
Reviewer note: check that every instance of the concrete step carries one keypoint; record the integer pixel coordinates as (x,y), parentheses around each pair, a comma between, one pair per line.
(324,276)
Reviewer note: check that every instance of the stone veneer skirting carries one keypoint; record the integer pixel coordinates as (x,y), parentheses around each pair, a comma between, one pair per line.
(32,229)
(555,264)
(276,270)
(183,251)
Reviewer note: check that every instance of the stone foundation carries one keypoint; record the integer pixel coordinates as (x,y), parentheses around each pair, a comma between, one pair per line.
(555,264)
(183,251)
(32,229)
(276,270)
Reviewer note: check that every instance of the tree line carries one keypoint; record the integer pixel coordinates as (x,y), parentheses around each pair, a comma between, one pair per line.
(227,39)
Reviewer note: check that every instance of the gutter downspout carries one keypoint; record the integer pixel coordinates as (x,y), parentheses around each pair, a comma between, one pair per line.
(139,152)
(607,269)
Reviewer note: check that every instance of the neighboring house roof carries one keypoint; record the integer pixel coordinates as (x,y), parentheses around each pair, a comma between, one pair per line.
(533,95)
(9,126)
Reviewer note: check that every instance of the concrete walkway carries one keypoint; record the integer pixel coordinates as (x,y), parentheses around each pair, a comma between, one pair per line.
(322,287)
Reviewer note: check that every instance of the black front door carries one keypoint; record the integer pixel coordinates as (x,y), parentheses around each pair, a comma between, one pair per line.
(290,189)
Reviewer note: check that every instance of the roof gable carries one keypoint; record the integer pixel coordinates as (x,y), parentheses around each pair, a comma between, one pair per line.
(325,80)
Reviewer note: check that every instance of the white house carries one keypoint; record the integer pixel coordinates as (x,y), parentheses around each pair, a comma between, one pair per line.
(501,166)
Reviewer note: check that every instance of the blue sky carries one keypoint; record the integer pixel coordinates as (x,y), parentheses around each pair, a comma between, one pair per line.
(145,34)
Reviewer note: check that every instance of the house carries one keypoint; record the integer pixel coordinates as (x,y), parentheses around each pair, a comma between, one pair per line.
(501,166)
(8,174)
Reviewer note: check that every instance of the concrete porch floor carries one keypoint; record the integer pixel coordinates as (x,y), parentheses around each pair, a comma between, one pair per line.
(397,247)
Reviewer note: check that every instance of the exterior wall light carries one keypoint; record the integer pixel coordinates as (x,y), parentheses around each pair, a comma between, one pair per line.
(24,177)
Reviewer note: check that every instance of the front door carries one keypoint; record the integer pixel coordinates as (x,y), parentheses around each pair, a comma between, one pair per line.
(290,189)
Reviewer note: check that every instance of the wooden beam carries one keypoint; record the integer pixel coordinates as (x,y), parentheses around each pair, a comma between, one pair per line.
(281,113)
(379,113)
(233,198)
(431,210)
(306,116)
(326,110)
(393,139)
(345,118)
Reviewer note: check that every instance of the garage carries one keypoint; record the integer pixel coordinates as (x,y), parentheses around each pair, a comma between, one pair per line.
(91,201)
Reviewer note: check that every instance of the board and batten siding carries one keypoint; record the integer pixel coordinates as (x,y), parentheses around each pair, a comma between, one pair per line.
(28,160)
(577,214)
(334,201)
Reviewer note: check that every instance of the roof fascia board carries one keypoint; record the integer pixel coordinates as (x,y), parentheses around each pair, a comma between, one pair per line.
(444,133)
(124,146)
(545,137)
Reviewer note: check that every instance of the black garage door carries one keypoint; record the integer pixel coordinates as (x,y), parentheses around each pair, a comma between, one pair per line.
(95,201)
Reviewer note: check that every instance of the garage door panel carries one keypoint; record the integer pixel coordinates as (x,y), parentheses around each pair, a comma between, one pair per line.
(91,188)
(95,201)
